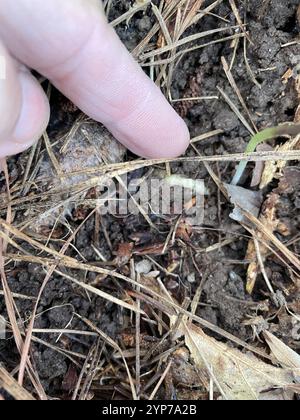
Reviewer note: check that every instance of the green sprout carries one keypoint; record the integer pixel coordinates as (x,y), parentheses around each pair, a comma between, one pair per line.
(287,129)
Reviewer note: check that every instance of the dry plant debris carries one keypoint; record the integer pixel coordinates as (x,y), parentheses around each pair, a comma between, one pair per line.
(258,248)
(283,354)
(237,376)
(268,217)
(126,307)
(244,199)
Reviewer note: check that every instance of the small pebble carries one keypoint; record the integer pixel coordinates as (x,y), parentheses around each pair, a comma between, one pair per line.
(191,278)
(143,267)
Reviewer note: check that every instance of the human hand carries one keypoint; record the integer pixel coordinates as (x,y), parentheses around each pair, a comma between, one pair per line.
(70,43)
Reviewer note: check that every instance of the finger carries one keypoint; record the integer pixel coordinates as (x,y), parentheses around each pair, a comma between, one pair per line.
(71,43)
(24,110)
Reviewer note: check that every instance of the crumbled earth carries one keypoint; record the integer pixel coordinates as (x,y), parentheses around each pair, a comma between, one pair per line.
(221,271)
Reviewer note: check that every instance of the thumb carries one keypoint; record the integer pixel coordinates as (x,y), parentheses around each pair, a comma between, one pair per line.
(24,108)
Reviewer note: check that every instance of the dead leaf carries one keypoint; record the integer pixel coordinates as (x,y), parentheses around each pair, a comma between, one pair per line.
(184,231)
(151,283)
(271,222)
(274,169)
(287,357)
(185,373)
(287,75)
(243,199)
(239,376)
(156,249)
(70,380)
(128,339)
(123,254)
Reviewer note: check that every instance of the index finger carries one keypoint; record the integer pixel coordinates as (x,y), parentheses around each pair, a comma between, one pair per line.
(71,43)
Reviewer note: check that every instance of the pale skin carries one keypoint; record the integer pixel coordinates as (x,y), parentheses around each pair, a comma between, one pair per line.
(71,43)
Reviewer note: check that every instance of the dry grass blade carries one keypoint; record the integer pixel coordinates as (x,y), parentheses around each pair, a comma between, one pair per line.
(26,347)
(287,357)
(236,110)
(71,263)
(24,185)
(128,15)
(115,346)
(11,386)
(9,299)
(168,12)
(205,136)
(89,370)
(237,90)
(272,169)
(162,378)
(19,296)
(117,169)
(177,309)
(191,13)
(179,54)
(52,156)
(103,295)
(290,256)
(184,41)
(238,18)
(248,67)
(124,298)
(262,267)
(162,23)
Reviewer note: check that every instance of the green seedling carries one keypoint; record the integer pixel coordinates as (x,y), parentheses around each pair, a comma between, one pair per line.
(287,129)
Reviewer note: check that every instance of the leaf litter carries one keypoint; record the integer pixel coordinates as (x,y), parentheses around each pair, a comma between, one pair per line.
(139,277)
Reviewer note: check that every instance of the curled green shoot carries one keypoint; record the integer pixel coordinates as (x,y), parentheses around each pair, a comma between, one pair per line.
(287,129)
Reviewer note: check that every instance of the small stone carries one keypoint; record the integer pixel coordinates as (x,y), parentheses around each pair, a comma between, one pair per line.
(191,278)
(143,267)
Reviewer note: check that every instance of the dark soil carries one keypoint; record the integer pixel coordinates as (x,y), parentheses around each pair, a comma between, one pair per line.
(221,273)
